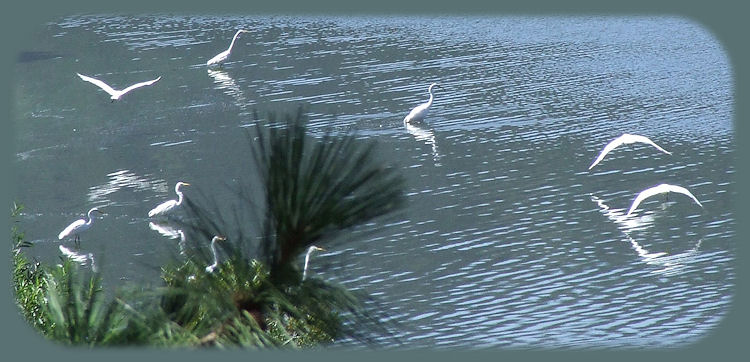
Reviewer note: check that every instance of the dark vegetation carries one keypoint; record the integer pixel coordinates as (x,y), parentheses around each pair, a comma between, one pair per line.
(300,191)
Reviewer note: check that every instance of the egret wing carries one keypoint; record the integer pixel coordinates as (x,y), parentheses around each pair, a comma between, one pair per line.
(218,58)
(141,84)
(98,83)
(609,147)
(646,194)
(71,228)
(417,114)
(162,208)
(684,191)
(645,139)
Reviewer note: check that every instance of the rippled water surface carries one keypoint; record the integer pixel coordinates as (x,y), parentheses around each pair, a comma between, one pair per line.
(508,239)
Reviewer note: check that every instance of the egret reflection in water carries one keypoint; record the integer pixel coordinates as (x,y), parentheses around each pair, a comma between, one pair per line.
(667,264)
(425,135)
(77,257)
(169,231)
(671,264)
(226,83)
(621,219)
(515,255)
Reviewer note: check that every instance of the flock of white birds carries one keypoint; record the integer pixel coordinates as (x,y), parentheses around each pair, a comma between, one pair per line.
(417,114)
(77,227)
(651,191)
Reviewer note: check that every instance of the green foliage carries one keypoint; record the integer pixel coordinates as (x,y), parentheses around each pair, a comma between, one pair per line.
(235,305)
(28,278)
(312,189)
(315,189)
(255,297)
(79,313)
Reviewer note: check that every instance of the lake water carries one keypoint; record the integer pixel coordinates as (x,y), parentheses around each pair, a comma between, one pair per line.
(508,240)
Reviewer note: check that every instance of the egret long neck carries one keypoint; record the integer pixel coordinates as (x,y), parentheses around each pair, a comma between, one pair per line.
(307,260)
(179,195)
(233,39)
(213,250)
(91,217)
(429,102)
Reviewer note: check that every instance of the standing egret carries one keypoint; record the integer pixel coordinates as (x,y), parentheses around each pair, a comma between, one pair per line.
(169,205)
(79,226)
(307,259)
(116,94)
(622,140)
(660,189)
(420,112)
(210,268)
(221,57)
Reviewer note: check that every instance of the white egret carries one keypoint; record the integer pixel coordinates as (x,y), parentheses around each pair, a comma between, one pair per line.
(307,259)
(221,57)
(79,226)
(420,112)
(660,189)
(622,140)
(116,94)
(169,205)
(210,268)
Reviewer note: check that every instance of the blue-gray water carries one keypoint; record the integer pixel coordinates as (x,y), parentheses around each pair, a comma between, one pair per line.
(507,241)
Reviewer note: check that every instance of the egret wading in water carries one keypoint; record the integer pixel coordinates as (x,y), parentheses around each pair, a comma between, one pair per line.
(420,112)
(169,205)
(79,226)
(660,189)
(116,94)
(221,57)
(623,140)
(210,268)
(307,259)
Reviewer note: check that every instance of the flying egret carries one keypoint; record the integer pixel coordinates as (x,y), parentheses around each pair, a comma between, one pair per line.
(420,112)
(116,94)
(78,226)
(307,259)
(622,140)
(660,189)
(169,205)
(210,268)
(221,57)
